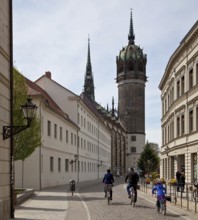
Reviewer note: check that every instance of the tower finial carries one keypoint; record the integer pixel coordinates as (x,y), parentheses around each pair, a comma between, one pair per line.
(131,36)
(88,54)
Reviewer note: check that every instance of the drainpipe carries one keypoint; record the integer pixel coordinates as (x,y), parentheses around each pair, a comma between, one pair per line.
(40,151)
(11,114)
(78,142)
(98,152)
(77,161)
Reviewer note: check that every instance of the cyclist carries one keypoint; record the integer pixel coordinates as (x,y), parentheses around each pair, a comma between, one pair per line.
(108,180)
(161,191)
(133,179)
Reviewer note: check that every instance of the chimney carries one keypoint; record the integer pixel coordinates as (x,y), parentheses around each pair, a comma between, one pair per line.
(48,74)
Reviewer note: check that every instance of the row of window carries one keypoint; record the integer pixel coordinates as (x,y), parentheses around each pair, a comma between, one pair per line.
(73,138)
(83,144)
(83,166)
(87,125)
(182,127)
(182,84)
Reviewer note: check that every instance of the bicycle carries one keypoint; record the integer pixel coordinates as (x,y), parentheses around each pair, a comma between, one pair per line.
(108,189)
(195,192)
(132,195)
(161,206)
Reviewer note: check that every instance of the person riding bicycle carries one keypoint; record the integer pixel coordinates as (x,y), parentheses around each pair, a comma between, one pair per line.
(161,191)
(108,180)
(133,179)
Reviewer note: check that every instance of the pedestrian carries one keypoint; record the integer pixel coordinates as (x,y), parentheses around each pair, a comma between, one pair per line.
(133,179)
(182,182)
(178,174)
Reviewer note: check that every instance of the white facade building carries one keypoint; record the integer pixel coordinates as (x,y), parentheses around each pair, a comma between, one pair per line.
(74,146)
(179,95)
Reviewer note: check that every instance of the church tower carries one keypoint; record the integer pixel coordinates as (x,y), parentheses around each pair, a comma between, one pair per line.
(131,79)
(89,81)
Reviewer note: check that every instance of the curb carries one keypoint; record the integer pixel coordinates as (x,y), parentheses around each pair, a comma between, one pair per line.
(24,196)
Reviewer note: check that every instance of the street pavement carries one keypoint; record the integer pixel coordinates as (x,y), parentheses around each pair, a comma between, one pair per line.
(88,203)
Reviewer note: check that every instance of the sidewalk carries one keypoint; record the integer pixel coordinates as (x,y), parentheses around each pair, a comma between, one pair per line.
(47,204)
(50,203)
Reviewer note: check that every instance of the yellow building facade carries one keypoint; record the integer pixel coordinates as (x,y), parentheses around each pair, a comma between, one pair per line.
(179,122)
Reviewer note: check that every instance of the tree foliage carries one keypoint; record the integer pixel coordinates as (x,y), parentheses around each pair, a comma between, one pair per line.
(149,160)
(29,139)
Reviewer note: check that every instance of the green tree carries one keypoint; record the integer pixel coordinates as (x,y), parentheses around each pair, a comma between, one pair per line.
(149,160)
(29,139)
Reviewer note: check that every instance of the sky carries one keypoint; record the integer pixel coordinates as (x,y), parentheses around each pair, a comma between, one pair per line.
(52,35)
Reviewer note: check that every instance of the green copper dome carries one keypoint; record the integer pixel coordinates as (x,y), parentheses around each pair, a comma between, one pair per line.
(131,52)
(131,61)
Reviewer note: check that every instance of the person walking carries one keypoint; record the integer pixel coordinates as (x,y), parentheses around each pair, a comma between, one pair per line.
(178,174)
(133,179)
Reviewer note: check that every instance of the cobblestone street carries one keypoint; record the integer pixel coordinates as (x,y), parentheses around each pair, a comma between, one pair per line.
(97,207)
(88,203)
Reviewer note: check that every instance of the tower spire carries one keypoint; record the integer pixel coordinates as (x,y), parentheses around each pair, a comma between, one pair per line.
(131,36)
(89,81)
(88,68)
(113,110)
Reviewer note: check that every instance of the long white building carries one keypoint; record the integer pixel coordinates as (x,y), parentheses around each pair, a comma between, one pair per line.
(76,144)
(179,95)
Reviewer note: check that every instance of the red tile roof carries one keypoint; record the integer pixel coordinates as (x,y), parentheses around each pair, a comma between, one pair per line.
(34,89)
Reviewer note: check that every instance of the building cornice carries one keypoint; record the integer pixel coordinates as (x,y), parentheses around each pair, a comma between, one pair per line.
(187,41)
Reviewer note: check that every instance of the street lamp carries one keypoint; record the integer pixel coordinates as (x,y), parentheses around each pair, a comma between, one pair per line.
(167,150)
(75,159)
(100,164)
(29,111)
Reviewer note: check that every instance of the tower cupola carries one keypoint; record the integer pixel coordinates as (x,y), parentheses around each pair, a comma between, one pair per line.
(131,59)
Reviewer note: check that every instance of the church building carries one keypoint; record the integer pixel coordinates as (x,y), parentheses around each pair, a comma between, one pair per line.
(128,123)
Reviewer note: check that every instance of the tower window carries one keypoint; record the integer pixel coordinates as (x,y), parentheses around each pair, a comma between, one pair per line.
(133,138)
(133,149)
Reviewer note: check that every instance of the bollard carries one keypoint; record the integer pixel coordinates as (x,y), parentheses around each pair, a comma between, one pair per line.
(72,186)
(181,197)
(187,195)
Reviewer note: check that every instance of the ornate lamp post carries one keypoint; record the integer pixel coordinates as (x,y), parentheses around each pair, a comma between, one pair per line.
(100,164)
(75,159)
(29,111)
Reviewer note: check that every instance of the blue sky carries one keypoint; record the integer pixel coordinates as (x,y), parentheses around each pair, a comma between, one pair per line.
(52,35)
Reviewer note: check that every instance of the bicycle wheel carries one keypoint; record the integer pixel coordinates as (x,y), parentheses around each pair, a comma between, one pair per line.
(108,197)
(108,200)
(158,208)
(163,207)
(132,197)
